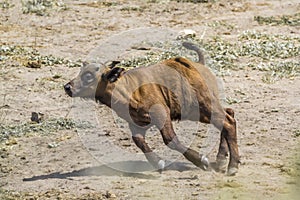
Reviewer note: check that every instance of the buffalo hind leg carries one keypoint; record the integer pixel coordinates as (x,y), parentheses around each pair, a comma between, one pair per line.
(171,140)
(138,136)
(222,155)
(227,125)
(223,148)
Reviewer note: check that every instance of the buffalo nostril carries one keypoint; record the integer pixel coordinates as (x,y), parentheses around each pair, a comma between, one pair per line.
(67,87)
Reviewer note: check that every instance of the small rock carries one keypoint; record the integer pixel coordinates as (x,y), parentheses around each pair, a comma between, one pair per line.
(143,48)
(195,194)
(186,33)
(107,132)
(275,110)
(52,145)
(3,153)
(110,195)
(87,188)
(126,145)
(92,149)
(250,143)
(11,141)
(33,64)
(56,76)
(63,138)
(195,177)
(37,117)
(232,184)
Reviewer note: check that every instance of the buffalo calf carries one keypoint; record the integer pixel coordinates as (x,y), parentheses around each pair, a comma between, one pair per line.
(175,89)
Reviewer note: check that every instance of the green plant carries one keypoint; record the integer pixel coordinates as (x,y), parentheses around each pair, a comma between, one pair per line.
(41,7)
(45,127)
(290,20)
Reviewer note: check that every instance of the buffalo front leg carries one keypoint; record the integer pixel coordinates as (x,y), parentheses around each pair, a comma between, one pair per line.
(138,136)
(172,141)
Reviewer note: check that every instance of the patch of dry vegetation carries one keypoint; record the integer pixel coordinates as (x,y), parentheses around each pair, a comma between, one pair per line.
(290,20)
(275,54)
(42,7)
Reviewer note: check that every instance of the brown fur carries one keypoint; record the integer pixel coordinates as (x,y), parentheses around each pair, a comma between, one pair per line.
(175,89)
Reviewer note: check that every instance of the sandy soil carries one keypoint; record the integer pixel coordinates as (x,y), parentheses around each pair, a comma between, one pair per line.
(64,165)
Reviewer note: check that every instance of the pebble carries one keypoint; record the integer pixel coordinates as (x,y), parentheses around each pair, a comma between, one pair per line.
(12,141)
(186,33)
(109,195)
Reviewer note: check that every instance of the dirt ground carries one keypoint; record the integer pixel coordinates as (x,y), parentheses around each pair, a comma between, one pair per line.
(65,164)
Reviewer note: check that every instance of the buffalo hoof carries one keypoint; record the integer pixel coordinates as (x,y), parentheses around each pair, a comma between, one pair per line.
(161,165)
(221,165)
(205,163)
(232,171)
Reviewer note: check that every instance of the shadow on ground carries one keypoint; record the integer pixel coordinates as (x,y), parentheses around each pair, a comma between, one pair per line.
(127,169)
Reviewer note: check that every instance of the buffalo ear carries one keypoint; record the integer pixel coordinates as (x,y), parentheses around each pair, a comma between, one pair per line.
(85,63)
(113,63)
(114,74)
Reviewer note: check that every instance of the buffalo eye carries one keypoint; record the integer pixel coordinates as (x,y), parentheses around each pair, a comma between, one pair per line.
(87,78)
